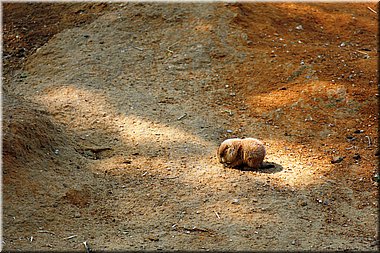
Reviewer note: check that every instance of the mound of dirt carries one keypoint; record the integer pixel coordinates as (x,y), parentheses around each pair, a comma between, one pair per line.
(41,166)
(113,113)
(28,134)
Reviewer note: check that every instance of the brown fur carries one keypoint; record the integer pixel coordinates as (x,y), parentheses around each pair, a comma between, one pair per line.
(242,152)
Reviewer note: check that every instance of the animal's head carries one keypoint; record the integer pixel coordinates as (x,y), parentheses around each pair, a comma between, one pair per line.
(229,151)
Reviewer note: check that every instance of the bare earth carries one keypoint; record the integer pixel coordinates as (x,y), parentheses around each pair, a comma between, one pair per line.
(112,115)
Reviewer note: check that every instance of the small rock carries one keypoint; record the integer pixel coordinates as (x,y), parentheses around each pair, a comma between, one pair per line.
(77,215)
(229,131)
(376,177)
(337,159)
(23,75)
(235,202)
(299,27)
(374,243)
(302,203)
(343,44)
(357,156)
(358,131)
(153,238)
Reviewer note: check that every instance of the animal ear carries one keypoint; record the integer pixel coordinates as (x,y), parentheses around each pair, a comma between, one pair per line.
(222,149)
(240,149)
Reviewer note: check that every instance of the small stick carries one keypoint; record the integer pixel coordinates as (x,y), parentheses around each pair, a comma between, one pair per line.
(70,237)
(97,149)
(369,140)
(168,49)
(86,247)
(361,52)
(198,229)
(45,231)
(140,49)
(181,117)
(369,8)
(217,215)
(146,172)
(172,177)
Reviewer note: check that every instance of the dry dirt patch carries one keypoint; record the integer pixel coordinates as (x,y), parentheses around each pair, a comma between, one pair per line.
(111,128)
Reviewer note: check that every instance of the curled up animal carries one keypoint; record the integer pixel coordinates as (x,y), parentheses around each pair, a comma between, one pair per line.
(237,152)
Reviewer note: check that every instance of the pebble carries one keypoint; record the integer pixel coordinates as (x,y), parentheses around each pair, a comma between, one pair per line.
(357,157)
(235,202)
(337,159)
(229,131)
(302,203)
(155,238)
(376,177)
(77,215)
(299,27)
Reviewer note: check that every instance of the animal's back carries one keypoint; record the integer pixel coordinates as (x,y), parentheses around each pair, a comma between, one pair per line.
(253,152)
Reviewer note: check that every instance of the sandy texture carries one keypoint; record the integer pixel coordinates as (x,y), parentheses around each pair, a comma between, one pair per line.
(110,128)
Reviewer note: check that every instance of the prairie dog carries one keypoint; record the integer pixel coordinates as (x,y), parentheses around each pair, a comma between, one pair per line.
(242,152)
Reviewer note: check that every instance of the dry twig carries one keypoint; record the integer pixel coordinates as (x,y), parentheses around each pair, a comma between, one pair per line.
(97,149)
(70,237)
(217,215)
(369,8)
(168,49)
(369,140)
(45,231)
(86,247)
(181,117)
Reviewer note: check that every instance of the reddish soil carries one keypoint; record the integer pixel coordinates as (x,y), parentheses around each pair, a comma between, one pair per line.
(112,115)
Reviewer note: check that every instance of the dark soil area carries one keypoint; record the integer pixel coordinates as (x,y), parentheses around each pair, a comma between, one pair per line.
(113,113)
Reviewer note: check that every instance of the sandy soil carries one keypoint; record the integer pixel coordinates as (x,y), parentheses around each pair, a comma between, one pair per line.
(112,115)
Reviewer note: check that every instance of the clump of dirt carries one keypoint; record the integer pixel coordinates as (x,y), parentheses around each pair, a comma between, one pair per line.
(28,133)
(28,26)
(312,76)
(34,151)
(111,127)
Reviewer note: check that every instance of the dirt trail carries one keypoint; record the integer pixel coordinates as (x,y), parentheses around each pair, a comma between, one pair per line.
(125,116)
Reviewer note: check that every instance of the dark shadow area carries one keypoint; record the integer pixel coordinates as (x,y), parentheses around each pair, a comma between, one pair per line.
(268,168)
(158,195)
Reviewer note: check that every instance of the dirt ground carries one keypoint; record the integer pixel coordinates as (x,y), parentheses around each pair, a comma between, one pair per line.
(112,115)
